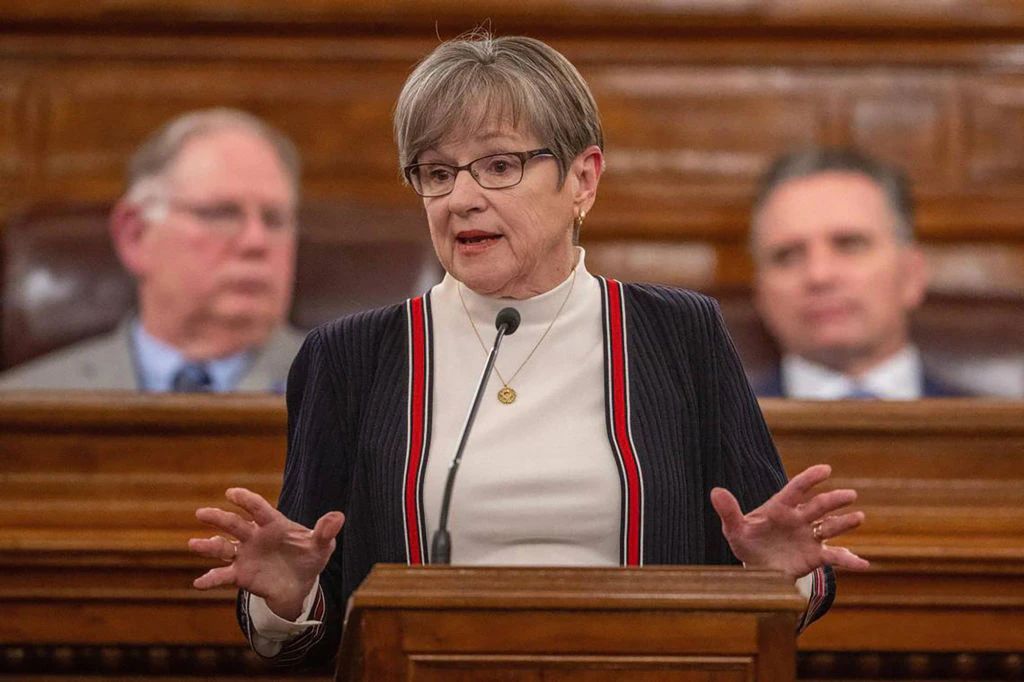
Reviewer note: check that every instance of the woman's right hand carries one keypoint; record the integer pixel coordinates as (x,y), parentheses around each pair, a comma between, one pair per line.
(271,556)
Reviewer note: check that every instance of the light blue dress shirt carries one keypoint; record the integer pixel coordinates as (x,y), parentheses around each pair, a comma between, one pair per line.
(156,364)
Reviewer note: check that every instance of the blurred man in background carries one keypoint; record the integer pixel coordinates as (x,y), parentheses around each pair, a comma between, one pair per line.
(208,230)
(838,273)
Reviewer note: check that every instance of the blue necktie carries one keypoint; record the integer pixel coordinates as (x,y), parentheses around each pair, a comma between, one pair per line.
(193,377)
(860,393)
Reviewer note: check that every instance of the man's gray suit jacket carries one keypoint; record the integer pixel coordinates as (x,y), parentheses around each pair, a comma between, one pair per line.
(106,363)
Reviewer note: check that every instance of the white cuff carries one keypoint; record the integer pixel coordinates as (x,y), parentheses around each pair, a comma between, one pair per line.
(804,585)
(273,627)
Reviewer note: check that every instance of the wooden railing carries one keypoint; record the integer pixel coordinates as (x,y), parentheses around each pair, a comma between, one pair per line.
(99,495)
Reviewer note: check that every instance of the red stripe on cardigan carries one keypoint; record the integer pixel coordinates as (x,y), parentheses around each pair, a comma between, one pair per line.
(621,423)
(417,427)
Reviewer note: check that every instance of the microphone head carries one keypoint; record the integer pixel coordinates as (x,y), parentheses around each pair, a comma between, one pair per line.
(508,318)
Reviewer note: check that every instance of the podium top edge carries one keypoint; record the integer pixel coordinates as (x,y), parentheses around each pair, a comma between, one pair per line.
(588,588)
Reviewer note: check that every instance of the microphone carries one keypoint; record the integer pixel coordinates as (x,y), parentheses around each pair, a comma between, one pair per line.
(508,318)
(507,322)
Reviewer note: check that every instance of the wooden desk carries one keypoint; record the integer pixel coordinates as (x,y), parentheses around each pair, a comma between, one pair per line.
(100,491)
(99,499)
(942,483)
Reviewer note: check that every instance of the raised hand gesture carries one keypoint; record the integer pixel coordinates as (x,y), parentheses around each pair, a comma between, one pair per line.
(270,556)
(790,530)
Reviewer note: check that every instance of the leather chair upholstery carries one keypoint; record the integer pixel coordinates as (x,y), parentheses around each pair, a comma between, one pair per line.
(62,281)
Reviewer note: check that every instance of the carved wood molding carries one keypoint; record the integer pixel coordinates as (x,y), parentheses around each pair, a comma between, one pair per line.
(875,665)
(891,17)
(158,661)
(697,96)
(939,417)
(131,411)
(150,660)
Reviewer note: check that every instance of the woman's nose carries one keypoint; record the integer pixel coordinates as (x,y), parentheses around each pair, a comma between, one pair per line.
(466,193)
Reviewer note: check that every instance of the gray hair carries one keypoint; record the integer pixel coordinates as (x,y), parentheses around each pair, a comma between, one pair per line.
(468,81)
(149,163)
(804,163)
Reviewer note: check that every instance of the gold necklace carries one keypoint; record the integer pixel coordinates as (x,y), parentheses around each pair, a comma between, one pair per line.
(506,394)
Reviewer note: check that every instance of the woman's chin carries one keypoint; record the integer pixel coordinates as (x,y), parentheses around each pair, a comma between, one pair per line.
(482,273)
(485,284)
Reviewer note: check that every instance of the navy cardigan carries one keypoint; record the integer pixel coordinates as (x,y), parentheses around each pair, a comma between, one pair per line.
(681,417)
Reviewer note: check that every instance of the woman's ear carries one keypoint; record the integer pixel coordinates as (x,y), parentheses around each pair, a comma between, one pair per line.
(586,173)
(127,232)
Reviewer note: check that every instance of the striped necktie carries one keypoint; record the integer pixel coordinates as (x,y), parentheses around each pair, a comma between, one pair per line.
(193,377)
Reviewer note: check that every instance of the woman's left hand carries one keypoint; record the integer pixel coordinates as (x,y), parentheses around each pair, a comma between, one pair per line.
(789,531)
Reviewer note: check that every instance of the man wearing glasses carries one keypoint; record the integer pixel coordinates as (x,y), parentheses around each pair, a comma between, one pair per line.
(208,230)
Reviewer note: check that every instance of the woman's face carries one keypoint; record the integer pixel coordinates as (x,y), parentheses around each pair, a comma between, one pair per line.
(514,242)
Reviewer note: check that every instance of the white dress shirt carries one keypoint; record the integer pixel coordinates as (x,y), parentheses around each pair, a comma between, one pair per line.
(901,377)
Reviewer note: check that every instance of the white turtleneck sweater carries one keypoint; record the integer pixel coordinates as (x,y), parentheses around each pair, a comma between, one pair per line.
(538,482)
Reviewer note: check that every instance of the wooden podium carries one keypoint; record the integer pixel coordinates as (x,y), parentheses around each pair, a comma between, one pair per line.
(571,624)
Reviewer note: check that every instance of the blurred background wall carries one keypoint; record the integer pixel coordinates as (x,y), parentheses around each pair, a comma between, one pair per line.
(697,96)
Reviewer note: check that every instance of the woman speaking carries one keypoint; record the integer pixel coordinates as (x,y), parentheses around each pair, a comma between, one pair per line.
(617,429)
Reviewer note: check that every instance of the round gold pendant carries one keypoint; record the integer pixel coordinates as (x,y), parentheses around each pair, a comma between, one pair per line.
(507,395)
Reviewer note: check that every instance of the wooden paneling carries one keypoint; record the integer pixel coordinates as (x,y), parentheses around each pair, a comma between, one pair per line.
(143,465)
(994,135)
(12,139)
(84,150)
(697,96)
(669,126)
(941,482)
(99,494)
(908,121)
(951,16)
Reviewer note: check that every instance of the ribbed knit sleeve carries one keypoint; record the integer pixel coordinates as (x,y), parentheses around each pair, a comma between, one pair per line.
(749,449)
(698,426)
(334,377)
(752,469)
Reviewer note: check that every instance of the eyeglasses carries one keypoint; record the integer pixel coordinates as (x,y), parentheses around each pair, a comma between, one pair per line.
(494,171)
(229,218)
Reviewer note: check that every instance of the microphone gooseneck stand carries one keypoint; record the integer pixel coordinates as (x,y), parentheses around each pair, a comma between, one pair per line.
(507,321)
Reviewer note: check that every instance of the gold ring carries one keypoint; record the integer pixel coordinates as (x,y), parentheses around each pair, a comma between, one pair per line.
(816,530)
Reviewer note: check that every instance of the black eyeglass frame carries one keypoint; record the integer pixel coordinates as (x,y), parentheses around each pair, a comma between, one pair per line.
(522,156)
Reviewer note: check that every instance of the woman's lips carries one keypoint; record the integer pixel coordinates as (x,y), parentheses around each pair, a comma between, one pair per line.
(474,241)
